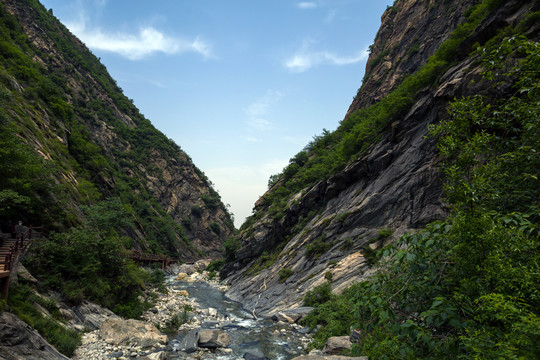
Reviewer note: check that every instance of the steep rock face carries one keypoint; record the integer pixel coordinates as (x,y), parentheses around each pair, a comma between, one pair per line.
(100,141)
(411,31)
(393,189)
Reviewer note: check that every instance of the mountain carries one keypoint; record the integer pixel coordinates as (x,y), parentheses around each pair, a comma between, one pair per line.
(378,176)
(93,145)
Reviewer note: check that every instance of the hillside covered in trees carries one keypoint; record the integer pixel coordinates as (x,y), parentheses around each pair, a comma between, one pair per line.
(77,157)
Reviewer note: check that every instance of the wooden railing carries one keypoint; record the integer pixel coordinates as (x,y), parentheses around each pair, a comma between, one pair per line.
(147,259)
(12,248)
(9,255)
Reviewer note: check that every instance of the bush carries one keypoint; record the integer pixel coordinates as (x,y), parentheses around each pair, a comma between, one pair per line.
(215,265)
(230,246)
(215,228)
(319,295)
(196,211)
(284,274)
(179,319)
(318,247)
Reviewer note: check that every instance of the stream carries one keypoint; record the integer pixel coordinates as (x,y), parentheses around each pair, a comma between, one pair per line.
(251,338)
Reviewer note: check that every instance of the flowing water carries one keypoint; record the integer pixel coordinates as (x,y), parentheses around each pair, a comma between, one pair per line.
(261,337)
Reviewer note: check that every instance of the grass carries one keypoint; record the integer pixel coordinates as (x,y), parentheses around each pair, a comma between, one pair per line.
(23,300)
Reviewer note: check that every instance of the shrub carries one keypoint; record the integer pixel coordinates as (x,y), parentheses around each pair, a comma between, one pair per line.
(328,276)
(319,295)
(196,211)
(215,265)
(384,233)
(284,274)
(215,228)
(177,320)
(230,246)
(318,247)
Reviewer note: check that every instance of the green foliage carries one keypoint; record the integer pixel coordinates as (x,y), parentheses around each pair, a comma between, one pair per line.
(215,265)
(369,254)
(215,228)
(157,279)
(196,211)
(174,323)
(265,260)
(319,295)
(328,276)
(22,302)
(87,262)
(230,246)
(38,106)
(383,233)
(464,288)
(211,201)
(318,247)
(25,186)
(284,274)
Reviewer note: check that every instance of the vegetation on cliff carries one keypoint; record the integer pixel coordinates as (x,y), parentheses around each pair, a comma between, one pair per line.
(465,287)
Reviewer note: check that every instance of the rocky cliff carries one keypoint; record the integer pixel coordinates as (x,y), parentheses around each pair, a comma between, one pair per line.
(411,31)
(331,229)
(60,100)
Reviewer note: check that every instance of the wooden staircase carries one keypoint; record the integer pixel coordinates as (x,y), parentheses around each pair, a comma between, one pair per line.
(10,251)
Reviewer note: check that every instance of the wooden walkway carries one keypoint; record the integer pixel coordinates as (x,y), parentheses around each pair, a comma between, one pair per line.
(147,259)
(9,256)
(10,251)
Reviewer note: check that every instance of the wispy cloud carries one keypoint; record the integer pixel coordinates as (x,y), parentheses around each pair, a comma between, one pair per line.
(257,111)
(260,124)
(306,5)
(305,59)
(137,46)
(330,16)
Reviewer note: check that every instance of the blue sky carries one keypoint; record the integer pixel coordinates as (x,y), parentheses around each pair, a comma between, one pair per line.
(240,85)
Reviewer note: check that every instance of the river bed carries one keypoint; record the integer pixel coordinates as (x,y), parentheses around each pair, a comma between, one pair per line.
(250,336)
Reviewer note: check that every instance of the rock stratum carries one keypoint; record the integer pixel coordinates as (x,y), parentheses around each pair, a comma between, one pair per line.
(331,229)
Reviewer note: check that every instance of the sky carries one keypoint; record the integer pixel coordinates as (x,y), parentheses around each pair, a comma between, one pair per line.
(240,85)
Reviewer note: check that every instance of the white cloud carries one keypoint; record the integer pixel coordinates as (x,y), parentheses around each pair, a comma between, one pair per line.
(305,59)
(138,46)
(306,5)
